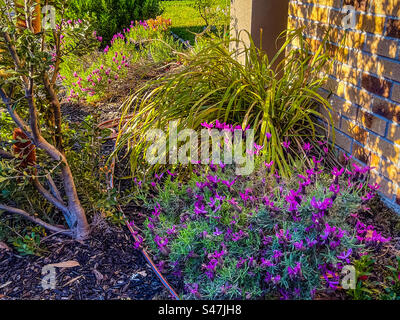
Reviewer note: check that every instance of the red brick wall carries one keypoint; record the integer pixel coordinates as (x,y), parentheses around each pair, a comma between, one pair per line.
(365,80)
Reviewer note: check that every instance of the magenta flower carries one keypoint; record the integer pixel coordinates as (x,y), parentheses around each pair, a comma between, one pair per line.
(269,165)
(199,209)
(138,242)
(286,144)
(374,187)
(161,242)
(337,173)
(307,147)
(171,231)
(229,184)
(257,149)
(269,136)
(334,188)
(368,197)
(206,125)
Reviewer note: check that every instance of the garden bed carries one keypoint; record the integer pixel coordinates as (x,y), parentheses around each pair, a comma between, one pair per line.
(109,268)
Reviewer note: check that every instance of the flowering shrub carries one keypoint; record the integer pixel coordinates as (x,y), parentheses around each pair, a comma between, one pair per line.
(90,79)
(110,16)
(232,237)
(158,23)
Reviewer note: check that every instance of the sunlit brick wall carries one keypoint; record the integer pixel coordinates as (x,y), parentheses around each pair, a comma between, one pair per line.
(365,80)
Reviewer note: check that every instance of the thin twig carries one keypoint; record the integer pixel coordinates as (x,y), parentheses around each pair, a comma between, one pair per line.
(38,221)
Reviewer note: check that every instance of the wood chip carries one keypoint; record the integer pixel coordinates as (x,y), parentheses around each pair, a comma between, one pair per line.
(72,281)
(98,275)
(5,285)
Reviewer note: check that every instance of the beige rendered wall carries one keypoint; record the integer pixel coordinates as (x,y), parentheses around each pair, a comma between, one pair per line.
(254,15)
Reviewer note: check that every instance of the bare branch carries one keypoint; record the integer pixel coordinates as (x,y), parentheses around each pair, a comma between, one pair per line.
(49,197)
(53,189)
(16,118)
(38,221)
(14,55)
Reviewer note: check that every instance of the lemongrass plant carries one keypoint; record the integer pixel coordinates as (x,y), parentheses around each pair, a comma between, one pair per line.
(281,101)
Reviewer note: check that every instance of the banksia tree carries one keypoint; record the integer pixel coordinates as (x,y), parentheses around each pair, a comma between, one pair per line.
(30,61)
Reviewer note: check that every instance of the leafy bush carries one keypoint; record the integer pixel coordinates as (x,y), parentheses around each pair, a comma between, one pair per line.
(230,237)
(83,150)
(214,85)
(392,285)
(110,16)
(30,64)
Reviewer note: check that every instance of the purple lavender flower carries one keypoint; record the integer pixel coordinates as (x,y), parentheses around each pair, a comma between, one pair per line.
(217,232)
(172,230)
(229,184)
(241,263)
(345,256)
(294,271)
(161,242)
(266,263)
(267,240)
(193,288)
(199,209)
(277,255)
(213,179)
(299,245)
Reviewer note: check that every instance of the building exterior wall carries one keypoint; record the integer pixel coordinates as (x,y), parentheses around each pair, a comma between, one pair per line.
(365,80)
(251,15)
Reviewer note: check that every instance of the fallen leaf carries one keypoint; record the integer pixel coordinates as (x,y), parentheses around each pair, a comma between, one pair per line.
(4,246)
(66,264)
(142,273)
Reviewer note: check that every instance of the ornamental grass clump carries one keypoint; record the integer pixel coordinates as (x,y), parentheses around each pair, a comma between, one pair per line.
(232,237)
(279,98)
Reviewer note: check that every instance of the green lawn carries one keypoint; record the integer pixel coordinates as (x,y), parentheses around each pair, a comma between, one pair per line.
(185,18)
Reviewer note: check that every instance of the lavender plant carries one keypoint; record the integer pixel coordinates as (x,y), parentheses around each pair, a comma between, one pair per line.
(233,237)
(91,76)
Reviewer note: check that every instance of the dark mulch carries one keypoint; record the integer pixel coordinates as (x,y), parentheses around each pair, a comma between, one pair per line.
(109,268)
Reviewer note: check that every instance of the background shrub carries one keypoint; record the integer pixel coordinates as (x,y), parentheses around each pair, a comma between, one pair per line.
(112,16)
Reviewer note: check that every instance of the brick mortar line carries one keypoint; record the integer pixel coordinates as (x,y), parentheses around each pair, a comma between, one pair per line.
(368,13)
